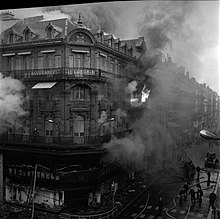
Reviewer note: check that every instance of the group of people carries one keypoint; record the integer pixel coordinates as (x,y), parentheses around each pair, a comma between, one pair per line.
(195,195)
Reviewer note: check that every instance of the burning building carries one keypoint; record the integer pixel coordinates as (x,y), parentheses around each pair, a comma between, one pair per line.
(73,103)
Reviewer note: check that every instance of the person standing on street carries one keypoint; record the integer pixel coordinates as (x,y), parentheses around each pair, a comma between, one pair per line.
(208,180)
(198,172)
(212,198)
(160,206)
(193,195)
(198,186)
(200,194)
(186,188)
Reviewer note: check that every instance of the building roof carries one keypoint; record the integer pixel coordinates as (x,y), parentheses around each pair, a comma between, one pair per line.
(63,26)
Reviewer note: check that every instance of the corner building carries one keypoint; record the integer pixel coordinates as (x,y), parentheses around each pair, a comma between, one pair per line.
(70,75)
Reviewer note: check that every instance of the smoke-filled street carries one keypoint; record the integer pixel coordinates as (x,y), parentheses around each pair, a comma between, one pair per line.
(169,185)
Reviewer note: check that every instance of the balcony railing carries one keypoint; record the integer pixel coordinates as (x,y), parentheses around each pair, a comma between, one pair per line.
(47,142)
(60,73)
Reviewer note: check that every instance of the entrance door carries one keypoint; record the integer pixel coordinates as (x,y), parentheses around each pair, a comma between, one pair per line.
(79,129)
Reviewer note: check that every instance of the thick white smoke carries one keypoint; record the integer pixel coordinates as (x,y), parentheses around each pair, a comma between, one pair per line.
(11,101)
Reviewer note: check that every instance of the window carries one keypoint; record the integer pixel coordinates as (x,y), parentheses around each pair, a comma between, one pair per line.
(50,33)
(18,63)
(26,63)
(79,60)
(40,62)
(79,126)
(10,63)
(103,62)
(49,60)
(112,65)
(27,35)
(71,61)
(11,38)
(81,92)
(32,62)
(58,61)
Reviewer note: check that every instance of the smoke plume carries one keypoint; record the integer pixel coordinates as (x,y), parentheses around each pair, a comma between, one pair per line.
(94,16)
(11,100)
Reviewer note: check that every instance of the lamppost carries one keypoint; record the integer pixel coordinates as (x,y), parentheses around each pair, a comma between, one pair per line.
(58,126)
(108,120)
(208,135)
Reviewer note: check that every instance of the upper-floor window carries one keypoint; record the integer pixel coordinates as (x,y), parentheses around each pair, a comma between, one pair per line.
(112,65)
(10,63)
(57,61)
(81,59)
(50,33)
(11,38)
(27,35)
(78,60)
(80,92)
(49,60)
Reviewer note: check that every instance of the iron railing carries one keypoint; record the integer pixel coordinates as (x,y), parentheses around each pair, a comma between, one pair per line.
(61,141)
(60,73)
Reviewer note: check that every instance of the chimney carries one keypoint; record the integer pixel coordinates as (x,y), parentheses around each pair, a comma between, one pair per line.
(6,16)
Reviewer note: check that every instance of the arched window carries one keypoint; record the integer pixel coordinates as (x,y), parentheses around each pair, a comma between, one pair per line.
(27,35)
(50,32)
(80,92)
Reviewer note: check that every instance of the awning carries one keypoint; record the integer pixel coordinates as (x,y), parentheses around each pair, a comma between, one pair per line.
(48,51)
(102,54)
(24,53)
(80,51)
(8,54)
(44,85)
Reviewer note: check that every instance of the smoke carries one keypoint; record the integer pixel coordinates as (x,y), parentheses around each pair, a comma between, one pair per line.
(188,31)
(11,100)
(94,16)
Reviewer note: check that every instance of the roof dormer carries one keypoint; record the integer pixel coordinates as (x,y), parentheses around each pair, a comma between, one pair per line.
(29,34)
(52,30)
(13,36)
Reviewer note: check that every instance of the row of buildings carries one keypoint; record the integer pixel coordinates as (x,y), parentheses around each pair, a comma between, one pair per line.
(73,76)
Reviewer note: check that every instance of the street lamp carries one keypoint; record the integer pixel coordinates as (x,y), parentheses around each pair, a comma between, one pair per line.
(51,121)
(108,120)
(208,135)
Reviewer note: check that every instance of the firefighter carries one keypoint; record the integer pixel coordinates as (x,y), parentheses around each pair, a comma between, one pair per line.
(208,180)
(192,193)
(198,172)
(181,194)
(212,198)
(199,196)
(160,206)
(186,188)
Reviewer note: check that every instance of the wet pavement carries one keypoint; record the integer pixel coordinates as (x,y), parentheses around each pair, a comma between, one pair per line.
(169,185)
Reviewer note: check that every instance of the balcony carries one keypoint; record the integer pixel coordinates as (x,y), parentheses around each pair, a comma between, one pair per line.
(61,143)
(59,74)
